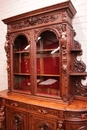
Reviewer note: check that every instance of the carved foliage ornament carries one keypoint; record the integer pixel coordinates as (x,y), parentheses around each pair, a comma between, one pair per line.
(79,88)
(79,66)
(32,21)
(7,50)
(78,115)
(17,122)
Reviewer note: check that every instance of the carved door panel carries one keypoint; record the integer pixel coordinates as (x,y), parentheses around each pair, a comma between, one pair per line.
(16,120)
(76,125)
(41,123)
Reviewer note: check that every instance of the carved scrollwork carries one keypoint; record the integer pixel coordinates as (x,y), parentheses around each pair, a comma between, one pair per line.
(7,50)
(79,66)
(79,88)
(34,20)
(82,115)
(17,122)
(77,45)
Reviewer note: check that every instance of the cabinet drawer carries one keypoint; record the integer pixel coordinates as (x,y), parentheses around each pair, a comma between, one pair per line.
(35,109)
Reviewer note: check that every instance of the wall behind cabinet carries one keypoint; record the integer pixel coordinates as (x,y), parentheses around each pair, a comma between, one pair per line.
(10,8)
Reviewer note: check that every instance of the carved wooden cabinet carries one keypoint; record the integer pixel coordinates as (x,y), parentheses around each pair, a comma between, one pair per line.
(44,74)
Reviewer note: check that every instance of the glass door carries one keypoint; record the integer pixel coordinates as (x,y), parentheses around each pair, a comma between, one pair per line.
(21,64)
(48,64)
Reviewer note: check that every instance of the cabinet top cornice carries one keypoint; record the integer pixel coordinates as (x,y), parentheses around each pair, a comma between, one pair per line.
(60,6)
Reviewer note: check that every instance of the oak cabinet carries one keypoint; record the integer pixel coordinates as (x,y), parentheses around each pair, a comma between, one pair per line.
(44,74)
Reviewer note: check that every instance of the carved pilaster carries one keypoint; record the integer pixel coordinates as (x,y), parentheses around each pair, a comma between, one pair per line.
(7,50)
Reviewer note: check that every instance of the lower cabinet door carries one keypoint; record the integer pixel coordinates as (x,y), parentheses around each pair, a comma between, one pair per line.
(77,125)
(42,123)
(15,119)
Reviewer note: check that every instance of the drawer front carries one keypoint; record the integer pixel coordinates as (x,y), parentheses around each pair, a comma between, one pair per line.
(35,109)
(16,120)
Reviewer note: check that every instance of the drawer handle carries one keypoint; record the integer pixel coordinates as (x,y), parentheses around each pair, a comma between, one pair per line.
(42,111)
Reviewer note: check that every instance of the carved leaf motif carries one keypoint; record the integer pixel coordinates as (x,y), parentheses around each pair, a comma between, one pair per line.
(31,21)
(79,88)
(17,122)
(79,66)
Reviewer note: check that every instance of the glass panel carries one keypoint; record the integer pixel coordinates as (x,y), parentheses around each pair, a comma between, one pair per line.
(21,64)
(47,52)
(22,83)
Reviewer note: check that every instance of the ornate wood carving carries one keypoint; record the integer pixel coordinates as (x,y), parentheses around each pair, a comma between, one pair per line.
(79,88)
(76,115)
(17,122)
(32,21)
(7,50)
(2,118)
(79,66)
(64,62)
(36,109)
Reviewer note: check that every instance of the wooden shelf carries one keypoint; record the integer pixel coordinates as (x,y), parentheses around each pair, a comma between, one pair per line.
(19,52)
(47,50)
(51,75)
(76,50)
(22,74)
(78,74)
